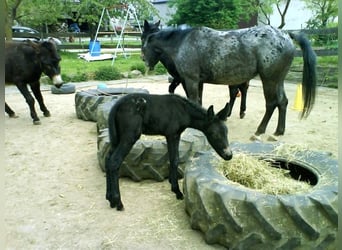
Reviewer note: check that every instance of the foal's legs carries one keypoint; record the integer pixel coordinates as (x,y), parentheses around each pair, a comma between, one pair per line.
(35,87)
(30,101)
(282,107)
(233,90)
(173,147)
(129,131)
(9,111)
(173,85)
(243,89)
(113,162)
(275,97)
(194,90)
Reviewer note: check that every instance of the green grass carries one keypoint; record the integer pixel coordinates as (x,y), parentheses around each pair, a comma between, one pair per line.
(324,61)
(75,69)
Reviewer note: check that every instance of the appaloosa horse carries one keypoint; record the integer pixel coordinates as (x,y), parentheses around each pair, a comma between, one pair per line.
(232,57)
(176,79)
(167,115)
(24,64)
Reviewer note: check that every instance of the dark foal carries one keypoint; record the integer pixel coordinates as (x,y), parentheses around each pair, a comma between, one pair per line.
(168,115)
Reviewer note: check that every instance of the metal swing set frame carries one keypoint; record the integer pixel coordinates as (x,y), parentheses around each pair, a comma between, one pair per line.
(130,11)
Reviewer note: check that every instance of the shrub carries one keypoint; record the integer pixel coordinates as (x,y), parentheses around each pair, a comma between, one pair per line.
(160,69)
(78,77)
(139,66)
(106,73)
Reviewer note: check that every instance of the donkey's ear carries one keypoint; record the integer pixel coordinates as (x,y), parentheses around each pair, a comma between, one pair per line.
(223,114)
(157,23)
(210,112)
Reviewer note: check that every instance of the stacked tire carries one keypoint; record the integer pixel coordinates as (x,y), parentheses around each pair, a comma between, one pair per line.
(88,101)
(148,158)
(241,218)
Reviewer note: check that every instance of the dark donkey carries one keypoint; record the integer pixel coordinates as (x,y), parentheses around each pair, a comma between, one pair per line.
(167,115)
(24,64)
(176,79)
(236,56)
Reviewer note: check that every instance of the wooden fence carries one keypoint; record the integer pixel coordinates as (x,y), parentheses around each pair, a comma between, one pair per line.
(331,33)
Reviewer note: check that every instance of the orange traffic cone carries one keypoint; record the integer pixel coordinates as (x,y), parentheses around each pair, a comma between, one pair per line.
(298,103)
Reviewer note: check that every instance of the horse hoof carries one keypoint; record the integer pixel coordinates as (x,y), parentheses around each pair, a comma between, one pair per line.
(37,122)
(255,138)
(272,138)
(47,114)
(179,196)
(242,115)
(120,207)
(13,116)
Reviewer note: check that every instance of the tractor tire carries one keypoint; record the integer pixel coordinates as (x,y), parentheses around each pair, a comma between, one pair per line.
(103,113)
(148,159)
(87,101)
(66,88)
(238,217)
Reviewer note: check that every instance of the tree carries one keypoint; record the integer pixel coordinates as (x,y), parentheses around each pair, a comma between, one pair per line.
(38,13)
(218,14)
(34,13)
(89,11)
(266,9)
(11,7)
(325,12)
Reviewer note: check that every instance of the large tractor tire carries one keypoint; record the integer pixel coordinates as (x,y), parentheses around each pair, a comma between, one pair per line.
(87,101)
(103,113)
(238,217)
(148,159)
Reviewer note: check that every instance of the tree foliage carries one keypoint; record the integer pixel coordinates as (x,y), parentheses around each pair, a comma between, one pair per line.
(89,11)
(38,13)
(325,12)
(266,9)
(218,14)
(34,13)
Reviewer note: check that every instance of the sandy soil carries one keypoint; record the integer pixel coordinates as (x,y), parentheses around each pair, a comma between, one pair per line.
(56,191)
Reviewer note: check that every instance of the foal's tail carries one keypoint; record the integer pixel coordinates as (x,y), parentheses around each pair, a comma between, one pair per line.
(309,72)
(112,131)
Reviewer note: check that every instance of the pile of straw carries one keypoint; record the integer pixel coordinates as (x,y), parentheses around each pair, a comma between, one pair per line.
(262,175)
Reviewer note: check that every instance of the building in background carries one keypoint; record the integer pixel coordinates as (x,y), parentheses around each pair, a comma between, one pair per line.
(164,10)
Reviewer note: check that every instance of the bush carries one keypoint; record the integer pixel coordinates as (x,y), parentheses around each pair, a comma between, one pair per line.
(106,73)
(160,69)
(79,77)
(139,66)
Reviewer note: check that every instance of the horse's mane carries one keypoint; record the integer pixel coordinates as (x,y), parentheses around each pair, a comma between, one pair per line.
(174,34)
(194,108)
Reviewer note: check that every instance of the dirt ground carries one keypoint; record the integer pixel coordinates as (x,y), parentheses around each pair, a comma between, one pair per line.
(55,190)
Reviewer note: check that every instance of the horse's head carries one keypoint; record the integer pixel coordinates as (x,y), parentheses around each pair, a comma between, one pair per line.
(149,28)
(150,54)
(217,132)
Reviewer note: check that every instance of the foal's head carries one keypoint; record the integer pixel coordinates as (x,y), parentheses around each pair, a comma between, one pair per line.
(217,132)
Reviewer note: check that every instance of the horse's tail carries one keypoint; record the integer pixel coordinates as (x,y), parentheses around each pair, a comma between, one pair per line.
(309,72)
(112,130)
